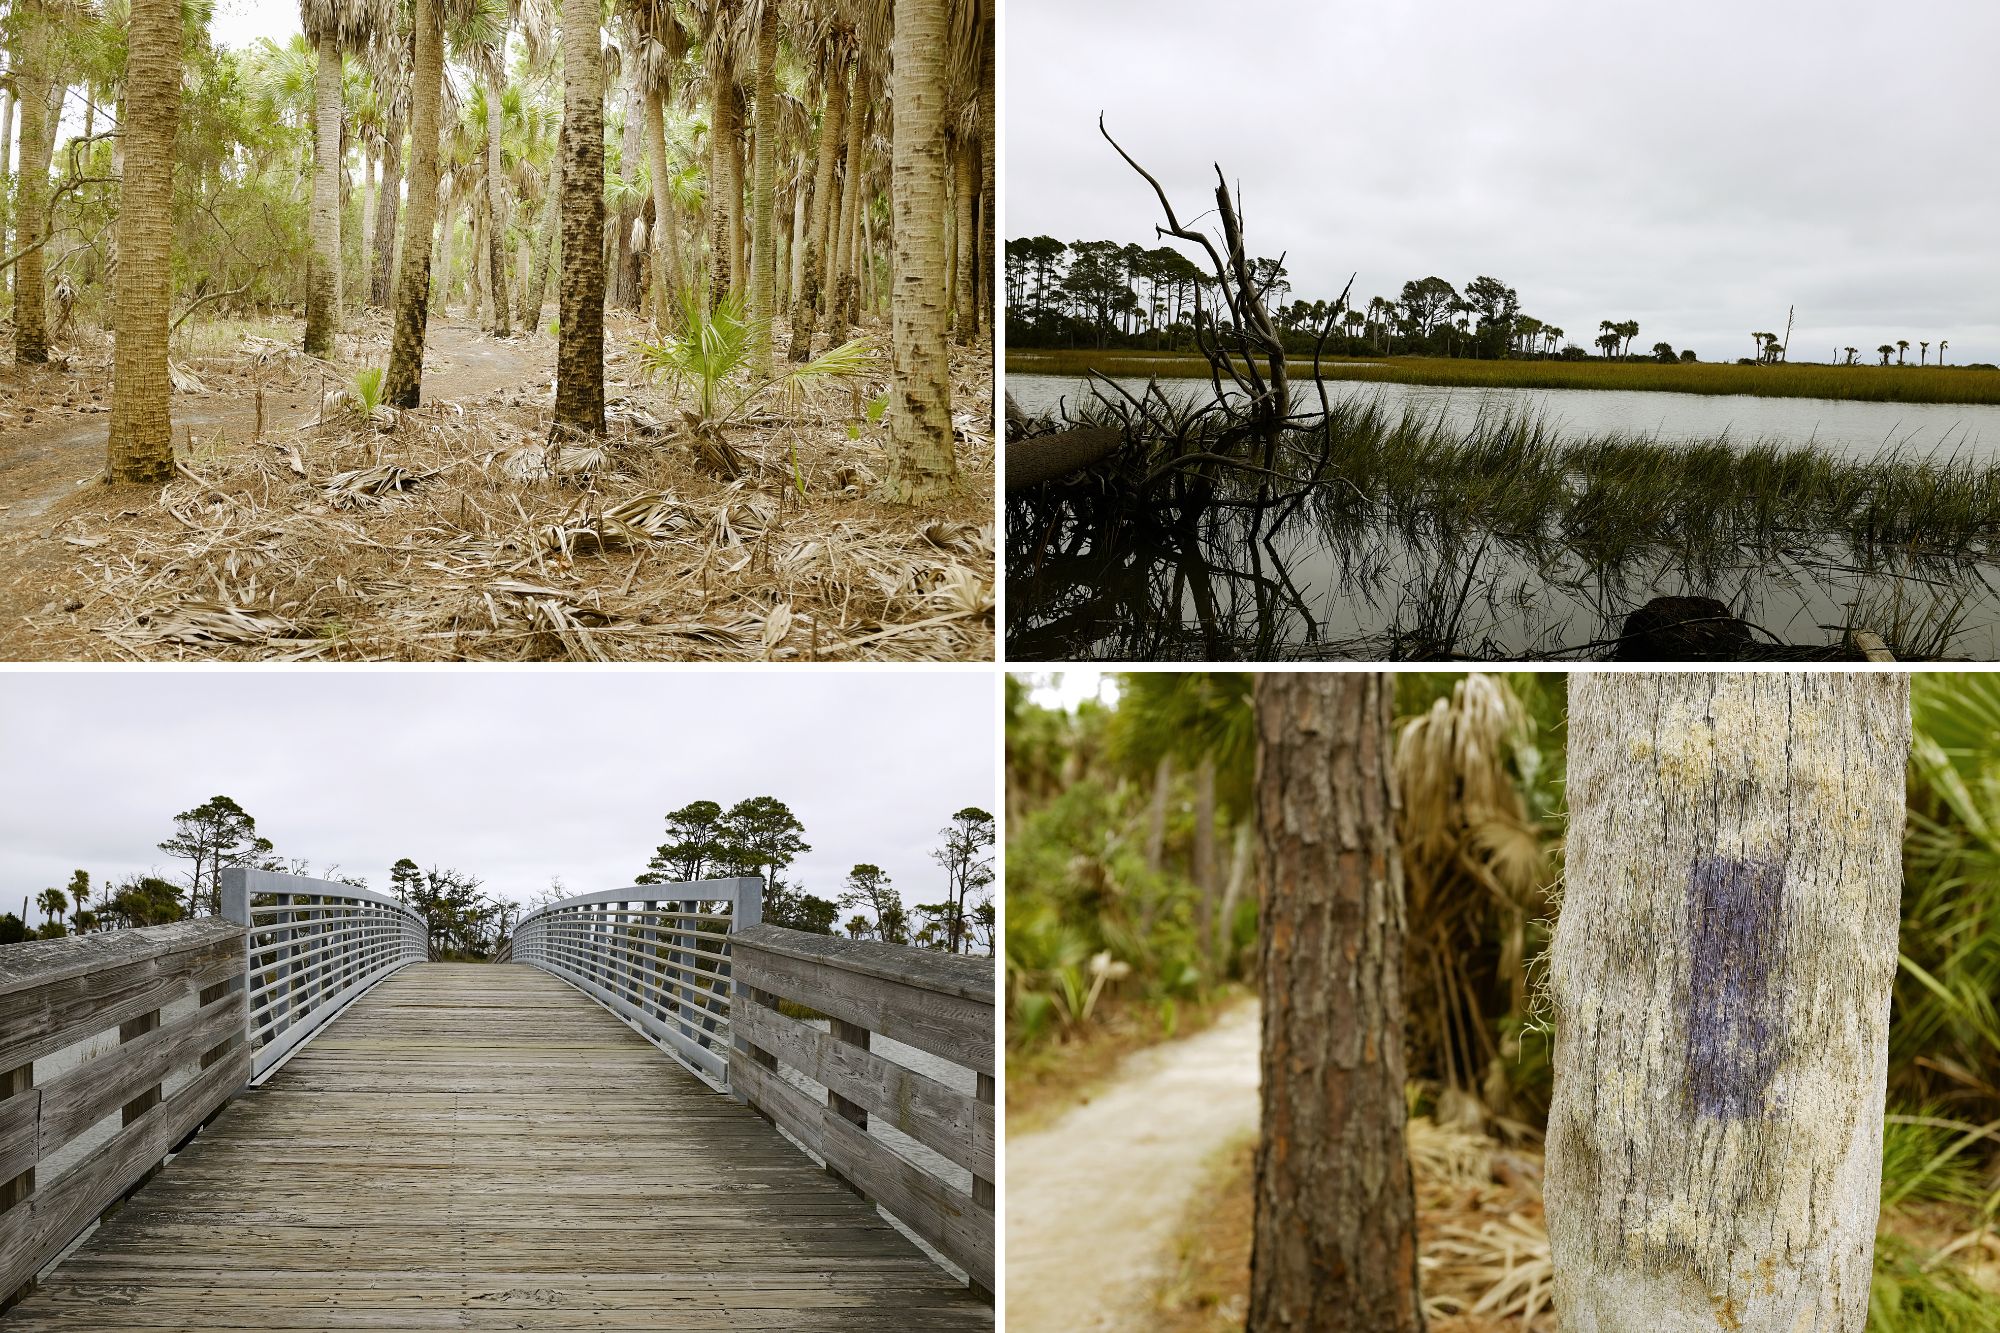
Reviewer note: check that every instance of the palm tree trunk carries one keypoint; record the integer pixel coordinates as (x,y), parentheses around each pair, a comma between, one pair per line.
(141,446)
(795,247)
(371,186)
(921,466)
(722,121)
(323,257)
(840,247)
(580,299)
(475,265)
(6,173)
(987,272)
(387,202)
(820,228)
(763,207)
(496,207)
(404,384)
(964,282)
(739,185)
(32,86)
(666,229)
(545,245)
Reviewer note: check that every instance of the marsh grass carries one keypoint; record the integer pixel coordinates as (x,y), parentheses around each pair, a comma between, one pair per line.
(1879,384)
(1465,528)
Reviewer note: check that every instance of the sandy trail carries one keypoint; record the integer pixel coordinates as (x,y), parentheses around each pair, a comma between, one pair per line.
(1094,1200)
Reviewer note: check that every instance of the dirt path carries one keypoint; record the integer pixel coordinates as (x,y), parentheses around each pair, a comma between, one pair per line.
(1093,1201)
(51,458)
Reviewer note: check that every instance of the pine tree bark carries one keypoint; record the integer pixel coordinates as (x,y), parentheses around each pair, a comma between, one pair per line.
(580,297)
(922,467)
(1335,1244)
(388,201)
(323,256)
(403,386)
(141,446)
(31,195)
(1720,977)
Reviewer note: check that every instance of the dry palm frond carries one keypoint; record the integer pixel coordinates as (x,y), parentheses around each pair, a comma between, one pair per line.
(482,542)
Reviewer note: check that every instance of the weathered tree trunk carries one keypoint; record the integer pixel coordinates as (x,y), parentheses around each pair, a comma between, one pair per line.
(722,122)
(666,229)
(580,298)
(739,233)
(1335,1244)
(323,256)
(388,201)
(404,384)
(31,197)
(496,204)
(371,184)
(1720,975)
(1156,815)
(986,177)
(624,276)
(819,227)
(840,297)
(545,245)
(964,285)
(141,447)
(764,197)
(922,466)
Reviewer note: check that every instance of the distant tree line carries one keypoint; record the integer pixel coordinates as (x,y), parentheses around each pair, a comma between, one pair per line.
(761,836)
(1103,295)
(757,836)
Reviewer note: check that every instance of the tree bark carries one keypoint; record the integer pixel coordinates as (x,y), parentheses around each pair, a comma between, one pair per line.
(580,298)
(323,256)
(404,384)
(764,200)
(722,128)
(964,283)
(545,245)
(1204,844)
(1156,816)
(1335,1244)
(31,196)
(496,204)
(141,446)
(987,285)
(666,228)
(388,201)
(1720,977)
(805,309)
(840,282)
(922,468)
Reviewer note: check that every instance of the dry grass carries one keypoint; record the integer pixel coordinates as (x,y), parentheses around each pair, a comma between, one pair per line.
(459,534)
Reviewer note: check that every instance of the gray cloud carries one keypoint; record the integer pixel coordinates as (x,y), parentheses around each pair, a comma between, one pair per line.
(1697,167)
(514,776)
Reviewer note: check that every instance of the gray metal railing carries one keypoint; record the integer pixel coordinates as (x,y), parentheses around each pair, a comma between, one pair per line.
(656,955)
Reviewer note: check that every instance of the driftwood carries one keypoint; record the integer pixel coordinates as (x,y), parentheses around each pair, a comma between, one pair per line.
(1040,458)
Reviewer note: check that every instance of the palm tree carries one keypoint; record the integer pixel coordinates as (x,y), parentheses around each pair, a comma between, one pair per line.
(1902,346)
(332,26)
(1609,335)
(484,45)
(580,297)
(389,73)
(834,63)
(32,88)
(54,902)
(403,385)
(1924,349)
(1942,344)
(140,449)
(921,465)
(1885,349)
(763,203)
(662,42)
(1850,354)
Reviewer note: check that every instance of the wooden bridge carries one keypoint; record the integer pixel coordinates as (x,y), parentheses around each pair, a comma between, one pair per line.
(356,1138)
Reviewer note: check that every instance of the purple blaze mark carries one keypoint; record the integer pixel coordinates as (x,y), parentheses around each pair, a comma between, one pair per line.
(1736,1021)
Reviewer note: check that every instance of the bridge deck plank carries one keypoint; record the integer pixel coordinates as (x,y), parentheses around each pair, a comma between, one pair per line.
(477,1147)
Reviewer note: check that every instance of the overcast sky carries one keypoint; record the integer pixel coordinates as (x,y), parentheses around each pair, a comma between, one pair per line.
(512,776)
(1695,166)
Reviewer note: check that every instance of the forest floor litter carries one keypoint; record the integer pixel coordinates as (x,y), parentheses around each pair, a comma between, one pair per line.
(460,531)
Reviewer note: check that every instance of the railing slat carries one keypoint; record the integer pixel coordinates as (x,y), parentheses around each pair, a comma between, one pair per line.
(72,1007)
(943,1024)
(18,1117)
(949,1122)
(74,1101)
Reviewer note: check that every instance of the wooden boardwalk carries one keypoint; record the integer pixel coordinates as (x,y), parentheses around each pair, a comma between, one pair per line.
(481,1147)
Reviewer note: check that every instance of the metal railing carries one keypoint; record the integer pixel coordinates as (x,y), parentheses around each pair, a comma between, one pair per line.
(656,955)
(314,946)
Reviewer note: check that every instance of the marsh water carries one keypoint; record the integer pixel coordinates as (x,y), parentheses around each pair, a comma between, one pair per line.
(1853,429)
(1306,581)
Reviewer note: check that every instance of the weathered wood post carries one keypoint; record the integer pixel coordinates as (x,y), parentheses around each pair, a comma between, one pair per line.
(1721,975)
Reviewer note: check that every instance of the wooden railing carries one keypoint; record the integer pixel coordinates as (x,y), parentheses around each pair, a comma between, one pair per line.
(656,955)
(939,1004)
(314,947)
(137,1037)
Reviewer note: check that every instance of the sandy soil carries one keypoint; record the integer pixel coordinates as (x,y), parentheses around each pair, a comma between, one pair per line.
(1096,1200)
